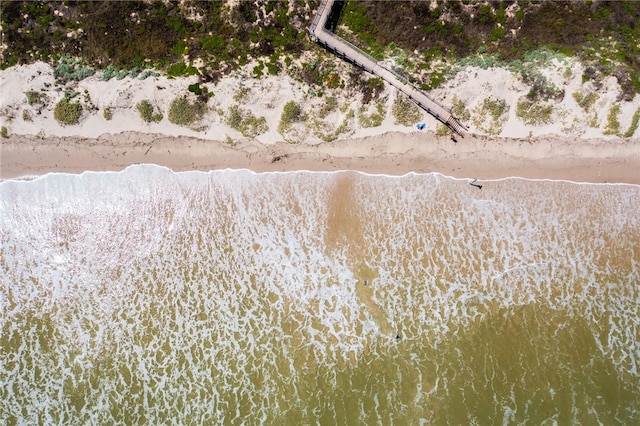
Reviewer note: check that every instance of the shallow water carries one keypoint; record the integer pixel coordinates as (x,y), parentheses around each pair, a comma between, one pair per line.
(229,297)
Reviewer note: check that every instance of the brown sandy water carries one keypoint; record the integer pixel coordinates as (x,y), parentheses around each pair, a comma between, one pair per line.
(231,297)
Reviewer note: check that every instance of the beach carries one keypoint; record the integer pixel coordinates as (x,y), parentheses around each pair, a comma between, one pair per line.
(396,153)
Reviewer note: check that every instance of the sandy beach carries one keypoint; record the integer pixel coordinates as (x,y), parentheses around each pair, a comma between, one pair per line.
(482,157)
(573,147)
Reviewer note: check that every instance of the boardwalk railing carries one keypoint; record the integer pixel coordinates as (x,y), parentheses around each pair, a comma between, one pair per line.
(354,55)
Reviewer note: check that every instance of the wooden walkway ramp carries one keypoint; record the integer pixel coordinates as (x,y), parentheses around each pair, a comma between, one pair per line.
(352,54)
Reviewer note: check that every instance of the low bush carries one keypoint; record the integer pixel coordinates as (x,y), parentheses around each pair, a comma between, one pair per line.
(184,112)
(146,112)
(4,132)
(245,122)
(106,113)
(66,112)
(26,115)
(291,113)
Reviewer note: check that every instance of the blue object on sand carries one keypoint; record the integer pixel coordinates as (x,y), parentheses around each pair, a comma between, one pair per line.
(397,336)
(421,126)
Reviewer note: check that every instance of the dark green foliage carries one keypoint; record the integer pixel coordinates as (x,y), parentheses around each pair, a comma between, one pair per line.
(581,28)
(134,33)
(127,34)
(180,69)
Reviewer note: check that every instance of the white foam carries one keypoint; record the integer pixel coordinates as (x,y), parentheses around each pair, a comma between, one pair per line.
(201,283)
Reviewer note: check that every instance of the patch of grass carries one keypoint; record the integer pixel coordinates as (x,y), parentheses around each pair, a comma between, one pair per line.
(442,130)
(242,94)
(106,113)
(373,119)
(533,113)
(459,109)
(26,115)
(634,124)
(291,113)
(66,112)
(184,112)
(344,126)
(4,133)
(405,112)
(613,123)
(146,112)
(245,122)
(330,105)
(490,115)
(34,97)
(586,101)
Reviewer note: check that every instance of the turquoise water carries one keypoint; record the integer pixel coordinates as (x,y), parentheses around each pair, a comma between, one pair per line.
(149,296)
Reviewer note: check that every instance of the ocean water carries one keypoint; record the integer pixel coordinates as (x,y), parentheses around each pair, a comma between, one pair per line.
(229,297)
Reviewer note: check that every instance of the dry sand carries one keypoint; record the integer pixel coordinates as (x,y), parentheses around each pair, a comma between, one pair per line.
(580,160)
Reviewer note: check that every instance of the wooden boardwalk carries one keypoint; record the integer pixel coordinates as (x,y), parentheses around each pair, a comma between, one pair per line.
(352,54)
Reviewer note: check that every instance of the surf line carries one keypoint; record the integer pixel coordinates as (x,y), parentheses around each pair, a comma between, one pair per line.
(473,183)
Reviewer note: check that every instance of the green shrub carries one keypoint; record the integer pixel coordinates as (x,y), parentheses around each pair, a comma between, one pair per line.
(67,112)
(185,113)
(291,113)
(533,113)
(26,115)
(405,112)
(181,69)
(146,112)
(245,122)
(107,114)
(4,132)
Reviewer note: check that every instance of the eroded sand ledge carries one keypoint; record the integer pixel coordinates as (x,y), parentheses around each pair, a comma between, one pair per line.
(484,157)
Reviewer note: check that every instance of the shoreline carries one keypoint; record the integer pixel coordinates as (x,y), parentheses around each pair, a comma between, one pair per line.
(393,153)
